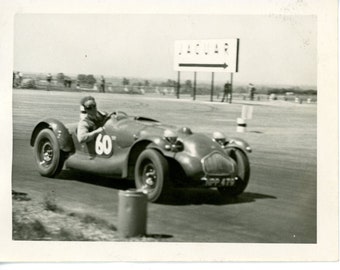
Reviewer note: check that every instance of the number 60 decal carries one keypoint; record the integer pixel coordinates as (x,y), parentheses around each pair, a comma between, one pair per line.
(103,145)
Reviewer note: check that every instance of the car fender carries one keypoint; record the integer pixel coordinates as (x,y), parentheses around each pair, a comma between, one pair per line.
(61,132)
(238,143)
(229,149)
(139,146)
(157,143)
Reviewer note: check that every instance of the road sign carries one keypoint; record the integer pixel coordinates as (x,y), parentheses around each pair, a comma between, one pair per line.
(212,55)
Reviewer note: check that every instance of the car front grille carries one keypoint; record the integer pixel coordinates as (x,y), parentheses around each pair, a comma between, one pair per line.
(217,164)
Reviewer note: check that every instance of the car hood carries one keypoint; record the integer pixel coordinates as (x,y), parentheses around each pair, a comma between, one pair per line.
(128,129)
(195,144)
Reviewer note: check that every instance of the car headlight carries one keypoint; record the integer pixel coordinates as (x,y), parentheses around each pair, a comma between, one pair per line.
(185,130)
(171,137)
(219,138)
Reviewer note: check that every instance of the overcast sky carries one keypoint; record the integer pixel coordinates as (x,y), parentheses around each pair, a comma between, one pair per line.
(273,49)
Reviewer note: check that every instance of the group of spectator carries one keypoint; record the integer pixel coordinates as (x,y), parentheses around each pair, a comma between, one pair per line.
(227,93)
(67,81)
(17,79)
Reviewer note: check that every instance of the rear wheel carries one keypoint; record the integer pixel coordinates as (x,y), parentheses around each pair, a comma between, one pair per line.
(243,173)
(151,174)
(48,156)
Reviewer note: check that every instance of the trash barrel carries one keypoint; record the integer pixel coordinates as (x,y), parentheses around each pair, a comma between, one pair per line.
(132,214)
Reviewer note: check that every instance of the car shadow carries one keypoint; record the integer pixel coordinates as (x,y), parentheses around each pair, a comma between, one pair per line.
(187,196)
(255,131)
(103,181)
(177,196)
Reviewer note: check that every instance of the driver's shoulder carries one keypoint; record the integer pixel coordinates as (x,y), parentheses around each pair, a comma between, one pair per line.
(84,122)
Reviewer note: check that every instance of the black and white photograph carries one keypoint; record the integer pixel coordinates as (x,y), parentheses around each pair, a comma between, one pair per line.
(135,130)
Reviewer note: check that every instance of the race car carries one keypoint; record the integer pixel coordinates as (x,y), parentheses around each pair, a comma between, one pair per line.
(156,156)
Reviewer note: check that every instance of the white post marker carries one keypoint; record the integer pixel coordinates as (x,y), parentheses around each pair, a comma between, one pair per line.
(241,125)
(247,113)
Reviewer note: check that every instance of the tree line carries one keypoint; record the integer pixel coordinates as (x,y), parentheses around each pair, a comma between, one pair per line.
(185,88)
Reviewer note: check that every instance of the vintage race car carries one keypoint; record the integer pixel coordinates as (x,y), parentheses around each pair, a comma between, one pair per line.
(155,155)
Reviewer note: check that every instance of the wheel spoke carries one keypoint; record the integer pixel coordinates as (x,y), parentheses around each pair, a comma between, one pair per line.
(46,153)
(149,176)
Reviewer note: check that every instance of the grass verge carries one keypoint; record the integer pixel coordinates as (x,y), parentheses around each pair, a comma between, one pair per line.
(44,219)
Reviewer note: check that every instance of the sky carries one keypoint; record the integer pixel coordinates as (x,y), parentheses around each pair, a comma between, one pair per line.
(274,49)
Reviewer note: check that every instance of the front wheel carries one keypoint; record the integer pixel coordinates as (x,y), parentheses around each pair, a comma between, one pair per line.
(243,174)
(151,174)
(48,157)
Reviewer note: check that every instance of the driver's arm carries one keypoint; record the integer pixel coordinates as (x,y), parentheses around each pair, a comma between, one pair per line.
(103,113)
(83,133)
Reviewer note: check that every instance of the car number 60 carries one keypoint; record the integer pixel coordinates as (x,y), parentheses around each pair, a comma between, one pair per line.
(103,145)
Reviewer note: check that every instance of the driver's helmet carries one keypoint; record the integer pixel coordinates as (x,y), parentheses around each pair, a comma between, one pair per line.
(83,101)
(82,105)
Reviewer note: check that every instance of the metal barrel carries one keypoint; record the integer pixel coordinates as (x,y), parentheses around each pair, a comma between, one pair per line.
(132,213)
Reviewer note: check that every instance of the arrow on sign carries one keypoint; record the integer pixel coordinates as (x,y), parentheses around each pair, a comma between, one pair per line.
(224,65)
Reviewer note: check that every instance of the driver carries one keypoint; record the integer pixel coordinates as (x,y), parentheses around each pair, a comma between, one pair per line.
(91,120)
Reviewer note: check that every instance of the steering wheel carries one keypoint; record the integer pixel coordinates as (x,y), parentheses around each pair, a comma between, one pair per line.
(118,115)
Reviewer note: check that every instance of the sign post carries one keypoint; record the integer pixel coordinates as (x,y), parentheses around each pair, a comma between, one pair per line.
(178,83)
(212,87)
(194,93)
(231,90)
(211,55)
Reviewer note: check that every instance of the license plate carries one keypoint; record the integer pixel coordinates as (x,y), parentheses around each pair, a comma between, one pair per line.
(227,182)
(220,182)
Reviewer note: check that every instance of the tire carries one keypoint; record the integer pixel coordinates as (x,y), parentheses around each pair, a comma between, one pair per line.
(243,174)
(152,174)
(48,157)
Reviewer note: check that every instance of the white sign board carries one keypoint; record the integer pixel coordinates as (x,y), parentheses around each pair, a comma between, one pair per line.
(213,55)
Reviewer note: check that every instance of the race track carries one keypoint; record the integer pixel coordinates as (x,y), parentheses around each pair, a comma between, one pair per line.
(279,205)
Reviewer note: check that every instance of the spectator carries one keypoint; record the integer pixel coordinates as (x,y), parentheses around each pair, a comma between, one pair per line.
(14,80)
(227,93)
(102,84)
(252,90)
(21,76)
(49,80)
(67,82)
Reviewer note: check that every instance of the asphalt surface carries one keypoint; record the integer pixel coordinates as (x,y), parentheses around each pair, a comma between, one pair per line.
(279,205)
